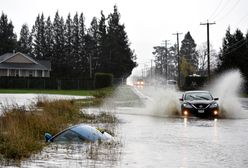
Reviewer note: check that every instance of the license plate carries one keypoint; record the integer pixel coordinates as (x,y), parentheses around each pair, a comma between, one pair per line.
(200,111)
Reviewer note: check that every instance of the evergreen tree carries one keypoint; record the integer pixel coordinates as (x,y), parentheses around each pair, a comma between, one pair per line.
(233,49)
(102,45)
(76,46)
(172,62)
(234,53)
(121,56)
(39,42)
(161,62)
(159,52)
(82,60)
(25,41)
(92,44)
(58,60)
(7,36)
(188,51)
(68,42)
(48,50)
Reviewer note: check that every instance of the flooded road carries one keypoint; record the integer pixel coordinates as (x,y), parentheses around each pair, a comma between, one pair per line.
(149,135)
(180,142)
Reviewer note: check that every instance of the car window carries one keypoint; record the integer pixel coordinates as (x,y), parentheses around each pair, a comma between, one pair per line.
(198,96)
(68,136)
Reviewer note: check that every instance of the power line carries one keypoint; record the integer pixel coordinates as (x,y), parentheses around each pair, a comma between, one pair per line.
(236,43)
(216,9)
(234,49)
(230,11)
(225,5)
(242,19)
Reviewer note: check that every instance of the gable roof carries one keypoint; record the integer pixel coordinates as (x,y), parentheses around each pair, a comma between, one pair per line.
(35,65)
(8,56)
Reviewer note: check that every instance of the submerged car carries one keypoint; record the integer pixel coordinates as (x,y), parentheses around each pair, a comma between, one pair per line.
(199,104)
(79,133)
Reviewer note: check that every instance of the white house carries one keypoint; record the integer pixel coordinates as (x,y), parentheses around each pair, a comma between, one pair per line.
(21,65)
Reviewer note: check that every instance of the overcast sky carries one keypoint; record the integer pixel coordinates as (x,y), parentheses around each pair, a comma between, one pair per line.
(148,22)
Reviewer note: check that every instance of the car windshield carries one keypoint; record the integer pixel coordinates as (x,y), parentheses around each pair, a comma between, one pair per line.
(198,96)
(68,136)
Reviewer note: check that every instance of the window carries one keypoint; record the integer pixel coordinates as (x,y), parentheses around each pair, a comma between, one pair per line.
(68,136)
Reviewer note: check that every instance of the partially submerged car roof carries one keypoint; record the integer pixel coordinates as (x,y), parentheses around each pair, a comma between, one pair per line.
(86,132)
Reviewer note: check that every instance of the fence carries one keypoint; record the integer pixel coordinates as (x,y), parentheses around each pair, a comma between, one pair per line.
(45,83)
(49,83)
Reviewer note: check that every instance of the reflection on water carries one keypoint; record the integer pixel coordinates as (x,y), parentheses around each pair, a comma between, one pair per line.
(185,121)
(100,154)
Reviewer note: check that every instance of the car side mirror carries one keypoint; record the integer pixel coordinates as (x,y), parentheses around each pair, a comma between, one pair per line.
(47,137)
(180,99)
(216,99)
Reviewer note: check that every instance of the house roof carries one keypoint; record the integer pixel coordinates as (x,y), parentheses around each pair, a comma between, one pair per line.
(35,65)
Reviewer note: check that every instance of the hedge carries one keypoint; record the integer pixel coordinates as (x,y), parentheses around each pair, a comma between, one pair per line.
(102,80)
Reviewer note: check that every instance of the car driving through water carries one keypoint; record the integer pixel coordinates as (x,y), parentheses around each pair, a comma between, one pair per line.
(199,104)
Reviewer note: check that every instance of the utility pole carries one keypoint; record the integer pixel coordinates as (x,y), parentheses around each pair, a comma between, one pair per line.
(90,66)
(208,47)
(178,58)
(166,58)
(151,69)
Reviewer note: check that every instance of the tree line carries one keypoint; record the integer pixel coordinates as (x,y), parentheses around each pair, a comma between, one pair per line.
(73,49)
(166,59)
(232,55)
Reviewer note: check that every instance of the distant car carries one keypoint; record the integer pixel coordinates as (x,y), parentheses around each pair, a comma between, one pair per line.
(139,83)
(199,104)
(79,133)
(172,84)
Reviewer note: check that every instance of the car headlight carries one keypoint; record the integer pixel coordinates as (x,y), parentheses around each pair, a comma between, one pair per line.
(187,105)
(213,105)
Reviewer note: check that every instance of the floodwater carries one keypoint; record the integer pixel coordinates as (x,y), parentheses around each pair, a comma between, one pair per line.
(180,142)
(155,141)
(153,135)
(150,140)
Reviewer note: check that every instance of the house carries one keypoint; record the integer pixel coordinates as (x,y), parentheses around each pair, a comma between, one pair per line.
(21,65)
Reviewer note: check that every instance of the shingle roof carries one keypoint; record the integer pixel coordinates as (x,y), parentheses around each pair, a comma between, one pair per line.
(5,56)
(23,66)
(41,64)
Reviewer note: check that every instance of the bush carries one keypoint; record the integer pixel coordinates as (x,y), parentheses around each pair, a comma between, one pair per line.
(103,80)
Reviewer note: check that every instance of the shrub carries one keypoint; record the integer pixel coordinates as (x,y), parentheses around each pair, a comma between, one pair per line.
(103,80)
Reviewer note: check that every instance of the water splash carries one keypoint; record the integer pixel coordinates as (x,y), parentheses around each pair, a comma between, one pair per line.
(165,102)
(227,88)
